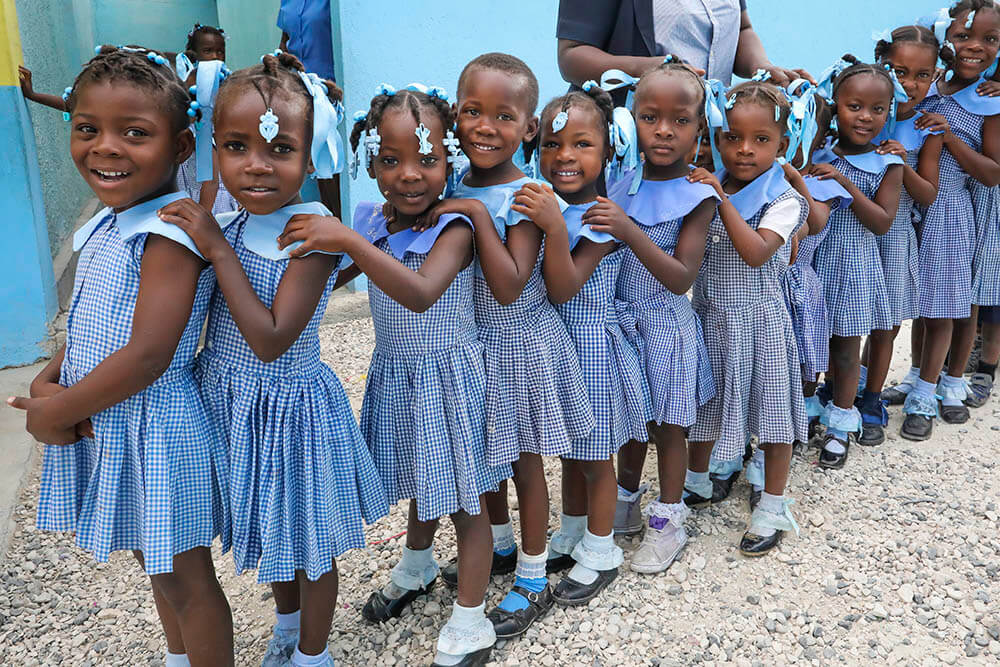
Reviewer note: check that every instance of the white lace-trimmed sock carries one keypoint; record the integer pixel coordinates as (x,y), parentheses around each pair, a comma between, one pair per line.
(413,561)
(462,634)
(176,660)
(774,505)
(300,659)
(503,538)
(287,621)
(599,543)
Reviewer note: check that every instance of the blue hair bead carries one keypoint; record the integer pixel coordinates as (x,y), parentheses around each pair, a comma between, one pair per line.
(589,85)
(66,91)
(97,49)
(360,116)
(195,105)
(191,112)
(151,56)
(193,90)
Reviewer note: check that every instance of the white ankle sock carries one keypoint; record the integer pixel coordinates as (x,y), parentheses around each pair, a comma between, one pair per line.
(287,621)
(773,504)
(176,660)
(410,574)
(595,543)
(503,537)
(300,659)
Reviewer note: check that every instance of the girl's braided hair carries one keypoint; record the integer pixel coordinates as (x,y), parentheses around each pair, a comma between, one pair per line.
(200,29)
(675,66)
(764,94)
(413,101)
(276,72)
(594,98)
(857,67)
(914,34)
(132,65)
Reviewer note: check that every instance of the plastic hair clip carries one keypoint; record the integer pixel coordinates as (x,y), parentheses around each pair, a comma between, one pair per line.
(559,122)
(969,21)
(590,85)
(731,102)
(373,142)
(360,116)
(67,91)
(268,127)
(777,114)
(385,89)
(451,144)
(426,148)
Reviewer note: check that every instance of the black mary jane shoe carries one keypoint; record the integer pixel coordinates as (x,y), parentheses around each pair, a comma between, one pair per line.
(380,609)
(509,624)
(501,565)
(570,593)
(955,414)
(754,546)
(893,396)
(830,460)
(474,659)
(723,486)
(871,435)
(695,502)
(754,498)
(559,563)
(917,427)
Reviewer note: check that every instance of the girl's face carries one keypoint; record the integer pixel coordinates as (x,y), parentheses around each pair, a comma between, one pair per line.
(914,65)
(701,153)
(572,159)
(863,103)
(209,46)
(753,143)
(124,144)
(975,47)
(667,119)
(410,181)
(493,121)
(263,177)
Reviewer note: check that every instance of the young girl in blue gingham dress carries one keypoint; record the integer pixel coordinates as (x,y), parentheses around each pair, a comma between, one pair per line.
(848,262)
(138,464)
(947,233)
(581,270)
(536,399)
(911,52)
(424,407)
(302,480)
(738,295)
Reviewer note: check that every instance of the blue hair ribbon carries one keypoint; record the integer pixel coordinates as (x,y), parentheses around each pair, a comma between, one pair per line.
(899,96)
(802,124)
(624,142)
(209,74)
(715,114)
(614,79)
(941,24)
(883,36)
(183,66)
(327,148)
(829,76)
(385,89)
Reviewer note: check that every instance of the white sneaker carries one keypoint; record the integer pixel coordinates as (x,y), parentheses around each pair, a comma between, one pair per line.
(664,539)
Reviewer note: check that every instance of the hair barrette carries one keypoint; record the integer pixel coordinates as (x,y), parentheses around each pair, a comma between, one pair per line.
(971,19)
(559,121)
(590,85)
(385,89)
(65,98)
(268,127)
(426,147)
(761,76)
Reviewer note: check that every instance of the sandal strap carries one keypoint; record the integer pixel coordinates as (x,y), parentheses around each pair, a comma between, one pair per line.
(531,596)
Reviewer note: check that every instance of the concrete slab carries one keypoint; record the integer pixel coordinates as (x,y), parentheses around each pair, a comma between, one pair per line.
(17,447)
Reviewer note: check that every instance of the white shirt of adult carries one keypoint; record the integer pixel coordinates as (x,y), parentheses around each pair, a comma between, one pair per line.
(705,33)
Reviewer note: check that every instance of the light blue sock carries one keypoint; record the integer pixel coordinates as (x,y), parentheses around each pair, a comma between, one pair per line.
(503,538)
(530,575)
(922,388)
(176,660)
(698,482)
(952,390)
(862,380)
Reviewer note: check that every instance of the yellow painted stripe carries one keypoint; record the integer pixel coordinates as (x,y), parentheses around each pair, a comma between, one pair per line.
(10,44)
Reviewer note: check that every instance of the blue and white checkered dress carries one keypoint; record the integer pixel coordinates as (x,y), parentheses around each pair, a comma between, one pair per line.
(749,335)
(424,412)
(301,477)
(612,366)
(848,262)
(804,292)
(986,260)
(536,399)
(663,325)
(187,182)
(946,235)
(898,247)
(154,477)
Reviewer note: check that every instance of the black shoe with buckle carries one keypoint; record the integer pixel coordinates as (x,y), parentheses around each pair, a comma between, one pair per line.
(754,545)
(501,565)
(831,460)
(571,593)
(509,624)
(474,659)
(380,608)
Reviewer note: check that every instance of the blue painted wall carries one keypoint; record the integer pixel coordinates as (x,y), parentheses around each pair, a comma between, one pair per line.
(251,28)
(157,24)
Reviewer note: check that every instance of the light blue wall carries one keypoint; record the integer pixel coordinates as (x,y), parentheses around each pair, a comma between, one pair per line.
(157,24)
(251,28)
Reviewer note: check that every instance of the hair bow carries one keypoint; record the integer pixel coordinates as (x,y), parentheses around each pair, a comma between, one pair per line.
(614,79)
(327,148)
(209,75)
(716,105)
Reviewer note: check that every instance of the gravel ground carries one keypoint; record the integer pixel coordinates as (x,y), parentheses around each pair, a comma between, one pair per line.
(898,562)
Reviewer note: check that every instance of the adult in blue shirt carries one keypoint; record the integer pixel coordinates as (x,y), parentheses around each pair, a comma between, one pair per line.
(713,36)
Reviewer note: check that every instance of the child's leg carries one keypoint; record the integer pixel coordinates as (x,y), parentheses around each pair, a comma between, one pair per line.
(504,556)
(203,615)
(990,356)
(951,386)
(468,631)
(168,619)
(573,521)
(533,510)
(873,414)
(921,406)
(319,599)
(285,636)
(963,338)
(772,515)
(843,417)
(602,487)
(628,512)
(697,483)
(665,535)
(917,342)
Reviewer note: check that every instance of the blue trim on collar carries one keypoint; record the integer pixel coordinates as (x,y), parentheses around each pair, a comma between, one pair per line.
(577,230)
(828,190)
(260,233)
(760,192)
(905,133)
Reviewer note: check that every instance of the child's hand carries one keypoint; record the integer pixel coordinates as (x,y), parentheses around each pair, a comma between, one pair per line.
(539,203)
(608,217)
(24,78)
(42,426)
(196,223)
(460,206)
(389,213)
(988,88)
(825,172)
(84,429)
(317,232)
(891,147)
(701,175)
(934,122)
(791,173)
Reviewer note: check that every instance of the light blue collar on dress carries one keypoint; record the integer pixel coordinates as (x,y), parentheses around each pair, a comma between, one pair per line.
(659,201)
(905,133)
(871,162)
(828,190)
(759,192)
(497,199)
(138,219)
(370,223)
(573,214)
(970,100)
(260,235)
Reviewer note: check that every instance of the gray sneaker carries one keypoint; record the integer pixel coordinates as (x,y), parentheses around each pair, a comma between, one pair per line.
(628,512)
(280,648)
(662,543)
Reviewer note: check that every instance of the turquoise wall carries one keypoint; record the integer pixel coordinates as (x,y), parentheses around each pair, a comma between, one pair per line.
(251,28)
(157,24)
